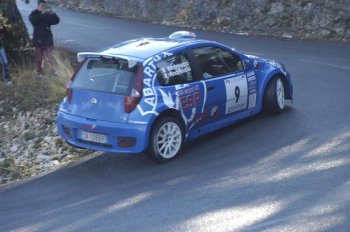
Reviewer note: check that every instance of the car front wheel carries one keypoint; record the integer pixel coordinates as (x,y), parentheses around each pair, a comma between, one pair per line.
(166,140)
(274,98)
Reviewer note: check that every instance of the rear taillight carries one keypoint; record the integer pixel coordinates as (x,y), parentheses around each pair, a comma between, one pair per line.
(69,90)
(131,101)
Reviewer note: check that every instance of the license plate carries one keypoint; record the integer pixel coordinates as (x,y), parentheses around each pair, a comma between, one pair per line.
(93,137)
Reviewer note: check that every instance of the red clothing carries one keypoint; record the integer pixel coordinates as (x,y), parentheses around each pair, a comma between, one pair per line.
(40,52)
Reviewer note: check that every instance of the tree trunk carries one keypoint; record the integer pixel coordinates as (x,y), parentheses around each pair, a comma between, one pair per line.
(15,36)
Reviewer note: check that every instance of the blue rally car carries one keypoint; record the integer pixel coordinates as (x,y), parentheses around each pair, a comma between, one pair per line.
(154,94)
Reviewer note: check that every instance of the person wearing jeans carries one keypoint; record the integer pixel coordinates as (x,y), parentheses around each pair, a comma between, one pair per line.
(5,66)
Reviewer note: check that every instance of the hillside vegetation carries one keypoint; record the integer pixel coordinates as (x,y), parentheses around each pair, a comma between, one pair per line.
(29,141)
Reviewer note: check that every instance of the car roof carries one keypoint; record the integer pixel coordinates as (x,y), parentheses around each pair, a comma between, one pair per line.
(147,47)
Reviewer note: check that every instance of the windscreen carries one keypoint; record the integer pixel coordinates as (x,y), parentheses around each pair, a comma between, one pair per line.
(109,75)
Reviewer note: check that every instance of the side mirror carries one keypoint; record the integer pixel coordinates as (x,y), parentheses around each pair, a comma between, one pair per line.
(247,65)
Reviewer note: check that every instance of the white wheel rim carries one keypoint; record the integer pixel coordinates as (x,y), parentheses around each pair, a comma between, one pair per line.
(280,93)
(168,140)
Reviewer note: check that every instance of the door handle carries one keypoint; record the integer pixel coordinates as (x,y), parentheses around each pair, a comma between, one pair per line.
(210,88)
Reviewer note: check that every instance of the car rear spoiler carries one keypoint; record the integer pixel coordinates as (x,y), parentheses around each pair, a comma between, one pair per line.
(81,56)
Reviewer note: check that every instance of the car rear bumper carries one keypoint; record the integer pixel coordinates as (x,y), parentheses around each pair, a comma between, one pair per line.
(116,137)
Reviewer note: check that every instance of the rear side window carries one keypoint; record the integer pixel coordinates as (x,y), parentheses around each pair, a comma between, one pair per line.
(214,61)
(105,75)
(174,70)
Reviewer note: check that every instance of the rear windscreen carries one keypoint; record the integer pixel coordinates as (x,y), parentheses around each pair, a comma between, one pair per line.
(106,75)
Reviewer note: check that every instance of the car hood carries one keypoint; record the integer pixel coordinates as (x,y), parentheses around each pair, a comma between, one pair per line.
(270,62)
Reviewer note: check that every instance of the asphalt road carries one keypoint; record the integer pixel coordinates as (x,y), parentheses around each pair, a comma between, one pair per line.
(269,173)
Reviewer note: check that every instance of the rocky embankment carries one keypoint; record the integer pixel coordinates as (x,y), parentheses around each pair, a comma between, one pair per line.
(30,144)
(325,19)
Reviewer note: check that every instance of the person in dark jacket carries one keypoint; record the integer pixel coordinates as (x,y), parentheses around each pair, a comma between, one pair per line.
(42,19)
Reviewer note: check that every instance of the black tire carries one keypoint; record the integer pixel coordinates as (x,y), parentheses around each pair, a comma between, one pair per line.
(166,139)
(274,96)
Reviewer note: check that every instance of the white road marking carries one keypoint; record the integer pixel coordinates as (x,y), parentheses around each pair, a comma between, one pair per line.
(325,64)
(82,25)
(67,41)
(133,34)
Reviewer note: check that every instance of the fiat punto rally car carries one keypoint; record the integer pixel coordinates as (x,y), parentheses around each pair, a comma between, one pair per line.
(154,94)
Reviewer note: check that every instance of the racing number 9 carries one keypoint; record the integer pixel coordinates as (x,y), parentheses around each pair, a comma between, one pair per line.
(237,93)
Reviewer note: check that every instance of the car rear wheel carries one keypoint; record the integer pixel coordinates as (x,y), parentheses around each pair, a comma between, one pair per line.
(274,98)
(166,139)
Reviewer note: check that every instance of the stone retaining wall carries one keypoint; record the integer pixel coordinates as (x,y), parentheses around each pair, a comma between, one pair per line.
(324,19)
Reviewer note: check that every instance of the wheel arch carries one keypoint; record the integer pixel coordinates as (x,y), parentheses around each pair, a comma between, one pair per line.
(286,84)
(169,113)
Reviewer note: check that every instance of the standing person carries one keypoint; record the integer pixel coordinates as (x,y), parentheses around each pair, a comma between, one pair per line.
(5,66)
(42,19)
(3,58)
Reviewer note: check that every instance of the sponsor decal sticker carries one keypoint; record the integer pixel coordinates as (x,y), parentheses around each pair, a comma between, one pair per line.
(236,94)
(189,97)
(251,78)
(252,89)
(214,112)
(252,101)
(177,69)
(150,96)
(201,118)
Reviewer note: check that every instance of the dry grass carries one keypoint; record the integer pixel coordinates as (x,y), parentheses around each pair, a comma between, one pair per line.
(30,92)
